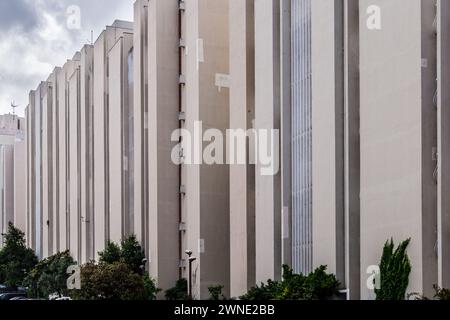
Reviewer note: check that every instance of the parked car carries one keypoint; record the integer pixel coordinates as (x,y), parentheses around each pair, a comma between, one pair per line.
(9,296)
(19,299)
(7,289)
(63,299)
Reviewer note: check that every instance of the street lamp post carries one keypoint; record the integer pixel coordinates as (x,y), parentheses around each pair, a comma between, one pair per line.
(142,267)
(191,260)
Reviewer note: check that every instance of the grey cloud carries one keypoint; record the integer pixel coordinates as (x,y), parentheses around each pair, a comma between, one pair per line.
(17,13)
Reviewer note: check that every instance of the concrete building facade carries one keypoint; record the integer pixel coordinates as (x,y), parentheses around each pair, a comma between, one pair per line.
(362,146)
(62,145)
(12,173)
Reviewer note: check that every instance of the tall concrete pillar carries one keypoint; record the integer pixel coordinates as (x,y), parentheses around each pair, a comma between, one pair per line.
(55,159)
(74,216)
(206,98)
(140,113)
(20,185)
(47,234)
(104,143)
(328,135)
(86,152)
(443,134)
(30,176)
(267,117)
(117,136)
(163,119)
(242,176)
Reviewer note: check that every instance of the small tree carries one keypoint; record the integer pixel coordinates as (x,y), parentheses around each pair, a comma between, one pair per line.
(130,252)
(150,288)
(118,276)
(50,276)
(110,254)
(16,260)
(395,269)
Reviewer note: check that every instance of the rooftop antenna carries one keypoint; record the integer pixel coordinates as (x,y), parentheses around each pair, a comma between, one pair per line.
(92,38)
(14,107)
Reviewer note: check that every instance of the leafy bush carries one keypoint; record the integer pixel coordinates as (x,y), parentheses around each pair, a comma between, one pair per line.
(114,281)
(118,276)
(267,291)
(395,269)
(316,286)
(50,276)
(440,294)
(16,260)
(179,292)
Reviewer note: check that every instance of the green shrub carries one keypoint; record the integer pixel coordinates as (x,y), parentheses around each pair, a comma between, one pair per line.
(263,292)
(395,269)
(316,286)
(179,292)
(440,294)
(215,293)
(151,290)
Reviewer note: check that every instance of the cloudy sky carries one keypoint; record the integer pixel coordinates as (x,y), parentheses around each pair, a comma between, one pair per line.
(37,35)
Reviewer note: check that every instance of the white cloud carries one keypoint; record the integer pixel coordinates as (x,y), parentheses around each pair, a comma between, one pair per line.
(37,39)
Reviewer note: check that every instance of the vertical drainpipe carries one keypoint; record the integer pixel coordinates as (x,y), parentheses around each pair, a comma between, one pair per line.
(180,170)
(352,151)
(286,185)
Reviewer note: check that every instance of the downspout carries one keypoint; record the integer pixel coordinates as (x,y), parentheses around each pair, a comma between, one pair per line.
(180,126)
